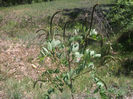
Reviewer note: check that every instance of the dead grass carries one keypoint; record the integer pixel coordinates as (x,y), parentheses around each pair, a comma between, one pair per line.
(14,59)
(14,62)
(19,68)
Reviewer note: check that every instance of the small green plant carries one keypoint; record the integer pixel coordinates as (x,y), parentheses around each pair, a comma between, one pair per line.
(101,86)
(69,60)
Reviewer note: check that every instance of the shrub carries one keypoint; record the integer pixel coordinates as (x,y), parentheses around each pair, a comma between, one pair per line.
(121,15)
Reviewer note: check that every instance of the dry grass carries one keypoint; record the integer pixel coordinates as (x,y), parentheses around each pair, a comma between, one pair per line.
(16,63)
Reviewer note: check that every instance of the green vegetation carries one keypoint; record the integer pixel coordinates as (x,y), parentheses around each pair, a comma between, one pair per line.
(82,63)
(16,2)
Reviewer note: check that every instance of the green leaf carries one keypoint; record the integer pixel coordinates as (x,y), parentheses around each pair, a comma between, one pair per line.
(50,71)
(42,54)
(41,58)
(78,56)
(51,90)
(100,84)
(96,79)
(55,43)
(92,53)
(61,84)
(58,78)
(46,96)
(87,51)
(49,46)
(75,47)
(45,50)
(97,55)
(57,71)
(61,90)
(76,38)
(103,94)
(96,90)
(91,64)
(67,79)
(93,32)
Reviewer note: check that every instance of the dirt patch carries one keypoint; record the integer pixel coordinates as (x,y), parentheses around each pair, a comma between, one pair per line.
(16,59)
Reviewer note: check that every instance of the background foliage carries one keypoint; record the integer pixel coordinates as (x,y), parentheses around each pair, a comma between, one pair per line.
(16,2)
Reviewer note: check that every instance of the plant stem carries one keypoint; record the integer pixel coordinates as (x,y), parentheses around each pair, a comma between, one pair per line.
(71,82)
